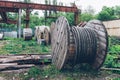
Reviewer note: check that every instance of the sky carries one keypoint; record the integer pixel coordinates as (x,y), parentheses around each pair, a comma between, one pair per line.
(83,4)
(96,4)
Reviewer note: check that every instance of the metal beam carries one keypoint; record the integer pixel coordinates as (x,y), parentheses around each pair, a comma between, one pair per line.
(8,21)
(3,9)
(19,23)
(27,17)
(4,16)
(10,4)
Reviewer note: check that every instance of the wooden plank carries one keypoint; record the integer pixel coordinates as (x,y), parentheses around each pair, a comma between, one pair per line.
(15,67)
(15,71)
(111,69)
(8,64)
(21,60)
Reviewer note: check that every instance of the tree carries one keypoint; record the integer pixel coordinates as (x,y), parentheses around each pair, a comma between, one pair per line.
(27,1)
(86,17)
(117,11)
(87,14)
(70,18)
(107,13)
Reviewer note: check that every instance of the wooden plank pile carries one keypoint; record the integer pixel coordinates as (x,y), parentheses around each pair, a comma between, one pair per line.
(23,61)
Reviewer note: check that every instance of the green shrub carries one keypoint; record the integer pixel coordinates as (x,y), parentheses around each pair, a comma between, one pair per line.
(114,49)
(34,72)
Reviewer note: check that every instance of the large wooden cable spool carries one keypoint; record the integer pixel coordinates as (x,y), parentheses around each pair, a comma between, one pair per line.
(39,36)
(27,33)
(52,34)
(1,35)
(76,45)
(46,35)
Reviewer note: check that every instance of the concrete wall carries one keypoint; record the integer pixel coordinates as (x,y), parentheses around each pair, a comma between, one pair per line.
(113,27)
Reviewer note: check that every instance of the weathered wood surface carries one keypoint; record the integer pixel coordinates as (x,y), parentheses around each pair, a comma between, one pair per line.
(60,40)
(27,33)
(111,69)
(16,62)
(15,71)
(42,32)
(15,67)
(102,42)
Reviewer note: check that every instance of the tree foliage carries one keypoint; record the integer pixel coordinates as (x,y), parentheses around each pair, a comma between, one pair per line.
(107,13)
(86,17)
(117,11)
(87,14)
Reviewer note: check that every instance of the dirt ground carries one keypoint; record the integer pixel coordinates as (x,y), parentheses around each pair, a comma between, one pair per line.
(101,75)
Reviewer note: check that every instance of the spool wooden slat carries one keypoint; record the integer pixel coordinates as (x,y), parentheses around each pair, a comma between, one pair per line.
(102,42)
(47,35)
(60,48)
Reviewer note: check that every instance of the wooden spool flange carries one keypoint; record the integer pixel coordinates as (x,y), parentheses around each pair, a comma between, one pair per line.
(46,35)
(60,47)
(102,42)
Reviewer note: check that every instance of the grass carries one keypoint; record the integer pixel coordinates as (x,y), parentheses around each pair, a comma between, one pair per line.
(113,53)
(51,73)
(19,46)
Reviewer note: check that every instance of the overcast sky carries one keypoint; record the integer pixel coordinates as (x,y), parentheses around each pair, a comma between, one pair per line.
(96,4)
(83,4)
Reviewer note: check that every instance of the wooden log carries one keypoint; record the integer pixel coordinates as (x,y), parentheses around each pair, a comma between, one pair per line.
(15,67)
(15,71)
(4,65)
(36,59)
(111,69)
(17,55)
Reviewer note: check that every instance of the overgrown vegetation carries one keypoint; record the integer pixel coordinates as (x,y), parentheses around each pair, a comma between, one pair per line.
(41,73)
(113,53)
(82,71)
(19,46)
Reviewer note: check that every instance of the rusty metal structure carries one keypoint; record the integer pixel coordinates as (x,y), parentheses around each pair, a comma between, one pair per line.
(10,6)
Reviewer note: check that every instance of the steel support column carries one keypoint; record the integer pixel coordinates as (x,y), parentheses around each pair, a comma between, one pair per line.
(19,22)
(27,18)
